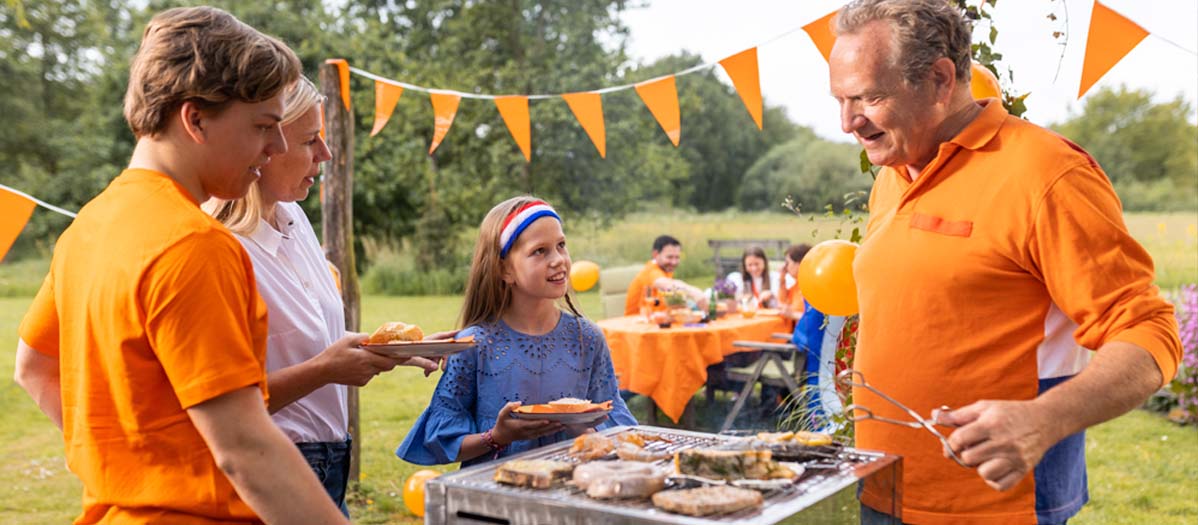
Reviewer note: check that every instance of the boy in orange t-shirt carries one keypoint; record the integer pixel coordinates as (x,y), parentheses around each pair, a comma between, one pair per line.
(146,342)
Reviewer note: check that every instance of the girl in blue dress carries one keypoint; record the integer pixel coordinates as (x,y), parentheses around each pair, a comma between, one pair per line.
(529,349)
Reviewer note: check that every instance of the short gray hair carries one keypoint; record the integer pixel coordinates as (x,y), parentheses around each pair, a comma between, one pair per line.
(924,31)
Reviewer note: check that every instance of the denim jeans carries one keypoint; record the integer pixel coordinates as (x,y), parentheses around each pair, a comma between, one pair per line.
(870,516)
(330,462)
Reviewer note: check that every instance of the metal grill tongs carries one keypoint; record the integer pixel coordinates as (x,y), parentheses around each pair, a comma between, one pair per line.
(856,379)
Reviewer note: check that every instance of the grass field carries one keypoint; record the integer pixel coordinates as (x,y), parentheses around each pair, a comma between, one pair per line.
(1143,469)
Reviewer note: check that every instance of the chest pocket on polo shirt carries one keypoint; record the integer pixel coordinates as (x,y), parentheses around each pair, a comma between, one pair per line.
(932,223)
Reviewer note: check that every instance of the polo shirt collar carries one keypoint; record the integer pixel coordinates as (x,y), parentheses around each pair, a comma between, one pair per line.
(268,238)
(984,127)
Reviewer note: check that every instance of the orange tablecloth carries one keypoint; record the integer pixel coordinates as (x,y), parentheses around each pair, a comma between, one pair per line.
(670,364)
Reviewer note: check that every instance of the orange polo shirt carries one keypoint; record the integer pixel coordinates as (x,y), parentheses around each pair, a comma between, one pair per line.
(636,291)
(150,307)
(981,277)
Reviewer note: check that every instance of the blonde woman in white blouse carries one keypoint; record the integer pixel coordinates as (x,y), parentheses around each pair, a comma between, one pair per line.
(310,358)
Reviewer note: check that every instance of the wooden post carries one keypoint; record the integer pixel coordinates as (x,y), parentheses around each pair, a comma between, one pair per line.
(337,219)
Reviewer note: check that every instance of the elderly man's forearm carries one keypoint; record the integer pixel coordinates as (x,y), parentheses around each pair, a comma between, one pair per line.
(1119,378)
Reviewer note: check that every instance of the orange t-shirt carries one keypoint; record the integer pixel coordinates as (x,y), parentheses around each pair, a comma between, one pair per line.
(636,291)
(150,307)
(996,268)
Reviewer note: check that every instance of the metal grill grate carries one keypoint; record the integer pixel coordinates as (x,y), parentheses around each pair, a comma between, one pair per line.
(477,483)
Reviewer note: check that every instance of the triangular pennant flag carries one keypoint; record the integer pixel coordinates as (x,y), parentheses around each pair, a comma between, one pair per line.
(445,107)
(514,110)
(1111,37)
(742,68)
(661,97)
(385,97)
(588,109)
(343,73)
(17,210)
(820,32)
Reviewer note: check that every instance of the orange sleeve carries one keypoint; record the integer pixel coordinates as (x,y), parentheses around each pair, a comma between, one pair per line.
(39,328)
(204,318)
(1096,273)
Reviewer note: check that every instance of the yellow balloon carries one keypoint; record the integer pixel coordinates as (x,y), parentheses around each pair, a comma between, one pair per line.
(413,490)
(983,83)
(584,275)
(826,277)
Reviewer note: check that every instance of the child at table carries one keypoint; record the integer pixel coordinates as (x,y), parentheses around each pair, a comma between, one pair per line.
(529,349)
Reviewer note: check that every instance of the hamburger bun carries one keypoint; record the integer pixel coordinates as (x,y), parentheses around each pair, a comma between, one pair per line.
(396,332)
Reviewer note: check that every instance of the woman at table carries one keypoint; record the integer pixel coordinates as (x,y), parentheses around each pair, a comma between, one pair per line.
(530,349)
(789,295)
(754,278)
(310,358)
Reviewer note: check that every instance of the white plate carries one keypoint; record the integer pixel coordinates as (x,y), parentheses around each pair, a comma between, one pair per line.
(581,418)
(420,348)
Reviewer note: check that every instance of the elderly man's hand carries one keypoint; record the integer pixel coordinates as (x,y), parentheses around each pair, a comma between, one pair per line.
(1003,439)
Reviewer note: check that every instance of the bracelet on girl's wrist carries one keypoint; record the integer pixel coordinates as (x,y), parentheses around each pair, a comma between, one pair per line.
(489,440)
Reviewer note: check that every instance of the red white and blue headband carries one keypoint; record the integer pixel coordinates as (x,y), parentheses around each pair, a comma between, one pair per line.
(518,220)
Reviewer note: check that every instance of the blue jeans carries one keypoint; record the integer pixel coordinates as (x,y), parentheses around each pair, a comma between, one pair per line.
(330,462)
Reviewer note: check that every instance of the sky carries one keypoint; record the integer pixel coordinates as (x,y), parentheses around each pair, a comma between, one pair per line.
(795,75)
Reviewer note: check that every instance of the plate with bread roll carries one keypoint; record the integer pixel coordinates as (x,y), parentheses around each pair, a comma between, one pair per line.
(398,339)
(567,410)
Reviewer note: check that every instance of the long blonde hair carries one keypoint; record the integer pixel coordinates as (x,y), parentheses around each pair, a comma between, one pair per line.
(242,215)
(488,296)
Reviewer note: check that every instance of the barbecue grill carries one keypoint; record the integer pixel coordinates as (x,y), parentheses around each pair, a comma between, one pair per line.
(825,493)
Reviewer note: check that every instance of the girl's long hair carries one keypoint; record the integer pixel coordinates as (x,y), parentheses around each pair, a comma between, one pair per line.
(241,216)
(755,251)
(487,295)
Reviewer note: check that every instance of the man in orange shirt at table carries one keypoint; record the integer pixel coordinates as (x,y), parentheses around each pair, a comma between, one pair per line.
(995,255)
(658,276)
(146,344)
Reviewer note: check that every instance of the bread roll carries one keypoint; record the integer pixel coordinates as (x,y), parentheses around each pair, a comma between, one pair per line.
(396,332)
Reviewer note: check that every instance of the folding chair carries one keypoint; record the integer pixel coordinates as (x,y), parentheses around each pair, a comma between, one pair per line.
(780,376)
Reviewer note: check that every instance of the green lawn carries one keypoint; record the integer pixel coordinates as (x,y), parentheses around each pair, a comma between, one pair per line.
(1143,469)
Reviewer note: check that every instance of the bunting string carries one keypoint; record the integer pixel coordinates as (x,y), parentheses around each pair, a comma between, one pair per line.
(39,202)
(484,96)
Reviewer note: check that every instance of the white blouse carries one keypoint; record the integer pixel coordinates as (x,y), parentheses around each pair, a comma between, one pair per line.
(305,317)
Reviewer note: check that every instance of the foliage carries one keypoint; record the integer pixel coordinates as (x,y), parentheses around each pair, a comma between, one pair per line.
(1147,149)
(814,171)
(65,66)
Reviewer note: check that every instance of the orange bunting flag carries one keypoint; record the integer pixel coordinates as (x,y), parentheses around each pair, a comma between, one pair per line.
(385,97)
(343,72)
(445,107)
(742,68)
(661,97)
(588,109)
(17,210)
(1111,37)
(820,32)
(514,110)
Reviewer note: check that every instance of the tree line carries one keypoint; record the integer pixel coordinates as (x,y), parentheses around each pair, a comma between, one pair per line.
(65,63)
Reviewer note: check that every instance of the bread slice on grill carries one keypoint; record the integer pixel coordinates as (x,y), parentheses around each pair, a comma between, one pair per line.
(705,501)
(533,473)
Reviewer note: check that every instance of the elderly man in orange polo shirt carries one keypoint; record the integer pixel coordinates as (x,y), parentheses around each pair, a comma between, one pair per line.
(658,276)
(996,254)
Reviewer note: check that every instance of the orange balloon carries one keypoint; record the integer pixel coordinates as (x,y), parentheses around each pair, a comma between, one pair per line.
(983,83)
(826,277)
(413,490)
(584,275)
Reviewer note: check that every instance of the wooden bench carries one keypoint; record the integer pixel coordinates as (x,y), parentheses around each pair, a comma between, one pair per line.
(733,249)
